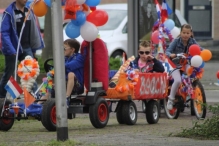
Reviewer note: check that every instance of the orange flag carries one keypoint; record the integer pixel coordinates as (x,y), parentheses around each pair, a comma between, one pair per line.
(28,98)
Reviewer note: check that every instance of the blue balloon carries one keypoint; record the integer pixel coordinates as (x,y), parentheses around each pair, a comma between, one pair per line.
(28,3)
(169,24)
(80,18)
(202,65)
(48,3)
(72,31)
(92,3)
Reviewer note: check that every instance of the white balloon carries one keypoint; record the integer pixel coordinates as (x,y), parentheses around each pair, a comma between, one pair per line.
(79,2)
(196,61)
(89,31)
(175,32)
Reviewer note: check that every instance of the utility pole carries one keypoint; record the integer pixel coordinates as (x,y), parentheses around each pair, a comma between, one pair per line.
(133,40)
(58,58)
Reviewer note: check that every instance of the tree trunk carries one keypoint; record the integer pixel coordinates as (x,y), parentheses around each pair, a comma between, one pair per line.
(48,50)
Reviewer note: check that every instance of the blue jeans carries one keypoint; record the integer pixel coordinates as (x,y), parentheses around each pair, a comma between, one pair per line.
(9,70)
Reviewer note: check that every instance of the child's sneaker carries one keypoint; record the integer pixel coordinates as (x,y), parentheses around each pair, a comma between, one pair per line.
(170,104)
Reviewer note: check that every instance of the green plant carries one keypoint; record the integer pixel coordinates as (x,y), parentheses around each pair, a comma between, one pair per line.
(114,63)
(204,130)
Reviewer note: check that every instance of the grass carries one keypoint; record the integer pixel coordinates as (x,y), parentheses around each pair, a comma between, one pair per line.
(207,130)
(41,143)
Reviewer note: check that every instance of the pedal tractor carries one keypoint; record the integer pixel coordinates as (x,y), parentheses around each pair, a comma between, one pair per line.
(92,102)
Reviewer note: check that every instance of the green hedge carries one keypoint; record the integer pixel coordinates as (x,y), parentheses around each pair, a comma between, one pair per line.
(114,64)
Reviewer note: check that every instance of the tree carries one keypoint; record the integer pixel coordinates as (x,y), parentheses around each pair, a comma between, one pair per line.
(48,50)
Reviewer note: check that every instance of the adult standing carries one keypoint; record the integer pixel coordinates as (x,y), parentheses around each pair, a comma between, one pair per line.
(31,40)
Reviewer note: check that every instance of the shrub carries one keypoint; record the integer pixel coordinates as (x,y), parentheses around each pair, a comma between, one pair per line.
(114,63)
(209,129)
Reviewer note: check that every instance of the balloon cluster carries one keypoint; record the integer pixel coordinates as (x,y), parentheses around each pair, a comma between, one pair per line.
(163,30)
(198,59)
(84,16)
(86,20)
(28,70)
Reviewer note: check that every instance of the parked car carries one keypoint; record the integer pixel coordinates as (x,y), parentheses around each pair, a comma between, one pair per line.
(114,32)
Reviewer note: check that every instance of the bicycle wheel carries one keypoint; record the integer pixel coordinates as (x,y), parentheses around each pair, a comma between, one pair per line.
(199,100)
(171,114)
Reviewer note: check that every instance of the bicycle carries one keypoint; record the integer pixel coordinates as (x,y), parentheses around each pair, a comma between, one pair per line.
(190,90)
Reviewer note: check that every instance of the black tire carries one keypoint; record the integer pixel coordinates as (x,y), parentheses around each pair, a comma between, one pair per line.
(48,115)
(119,115)
(192,108)
(199,101)
(117,54)
(7,119)
(171,114)
(182,109)
(129,112)
(152,112)
(99,113)
(143,105)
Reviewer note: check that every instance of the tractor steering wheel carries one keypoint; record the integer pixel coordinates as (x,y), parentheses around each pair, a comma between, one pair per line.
(48,65)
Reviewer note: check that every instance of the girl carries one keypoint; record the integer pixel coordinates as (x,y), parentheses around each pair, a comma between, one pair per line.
(145,62)
(178,46)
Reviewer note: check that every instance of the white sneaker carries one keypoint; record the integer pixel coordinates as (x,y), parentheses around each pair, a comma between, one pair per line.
(170,104)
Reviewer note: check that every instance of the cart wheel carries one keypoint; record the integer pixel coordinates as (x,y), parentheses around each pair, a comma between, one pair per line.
(7,119)
(119,114)
(152,112)
(99,113)
(144,105)
(129,112)
(48,115)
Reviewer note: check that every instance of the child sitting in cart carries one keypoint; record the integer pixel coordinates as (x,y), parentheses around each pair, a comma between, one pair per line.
(145,62)
(74,69)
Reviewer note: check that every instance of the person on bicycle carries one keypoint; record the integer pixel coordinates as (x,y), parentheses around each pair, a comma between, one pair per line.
(74,68)
(145,62)
(179,46)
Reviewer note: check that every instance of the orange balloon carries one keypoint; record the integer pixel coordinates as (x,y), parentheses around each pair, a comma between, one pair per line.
(40,8)
(206,55)
(189,71)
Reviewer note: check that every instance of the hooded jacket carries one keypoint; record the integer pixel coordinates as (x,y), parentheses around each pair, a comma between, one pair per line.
(9,34)
(75,64)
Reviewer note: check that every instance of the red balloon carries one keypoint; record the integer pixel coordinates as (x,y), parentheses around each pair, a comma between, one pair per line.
(194,50)
(155,36)
(98,17)
(218,74)
(92,8)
